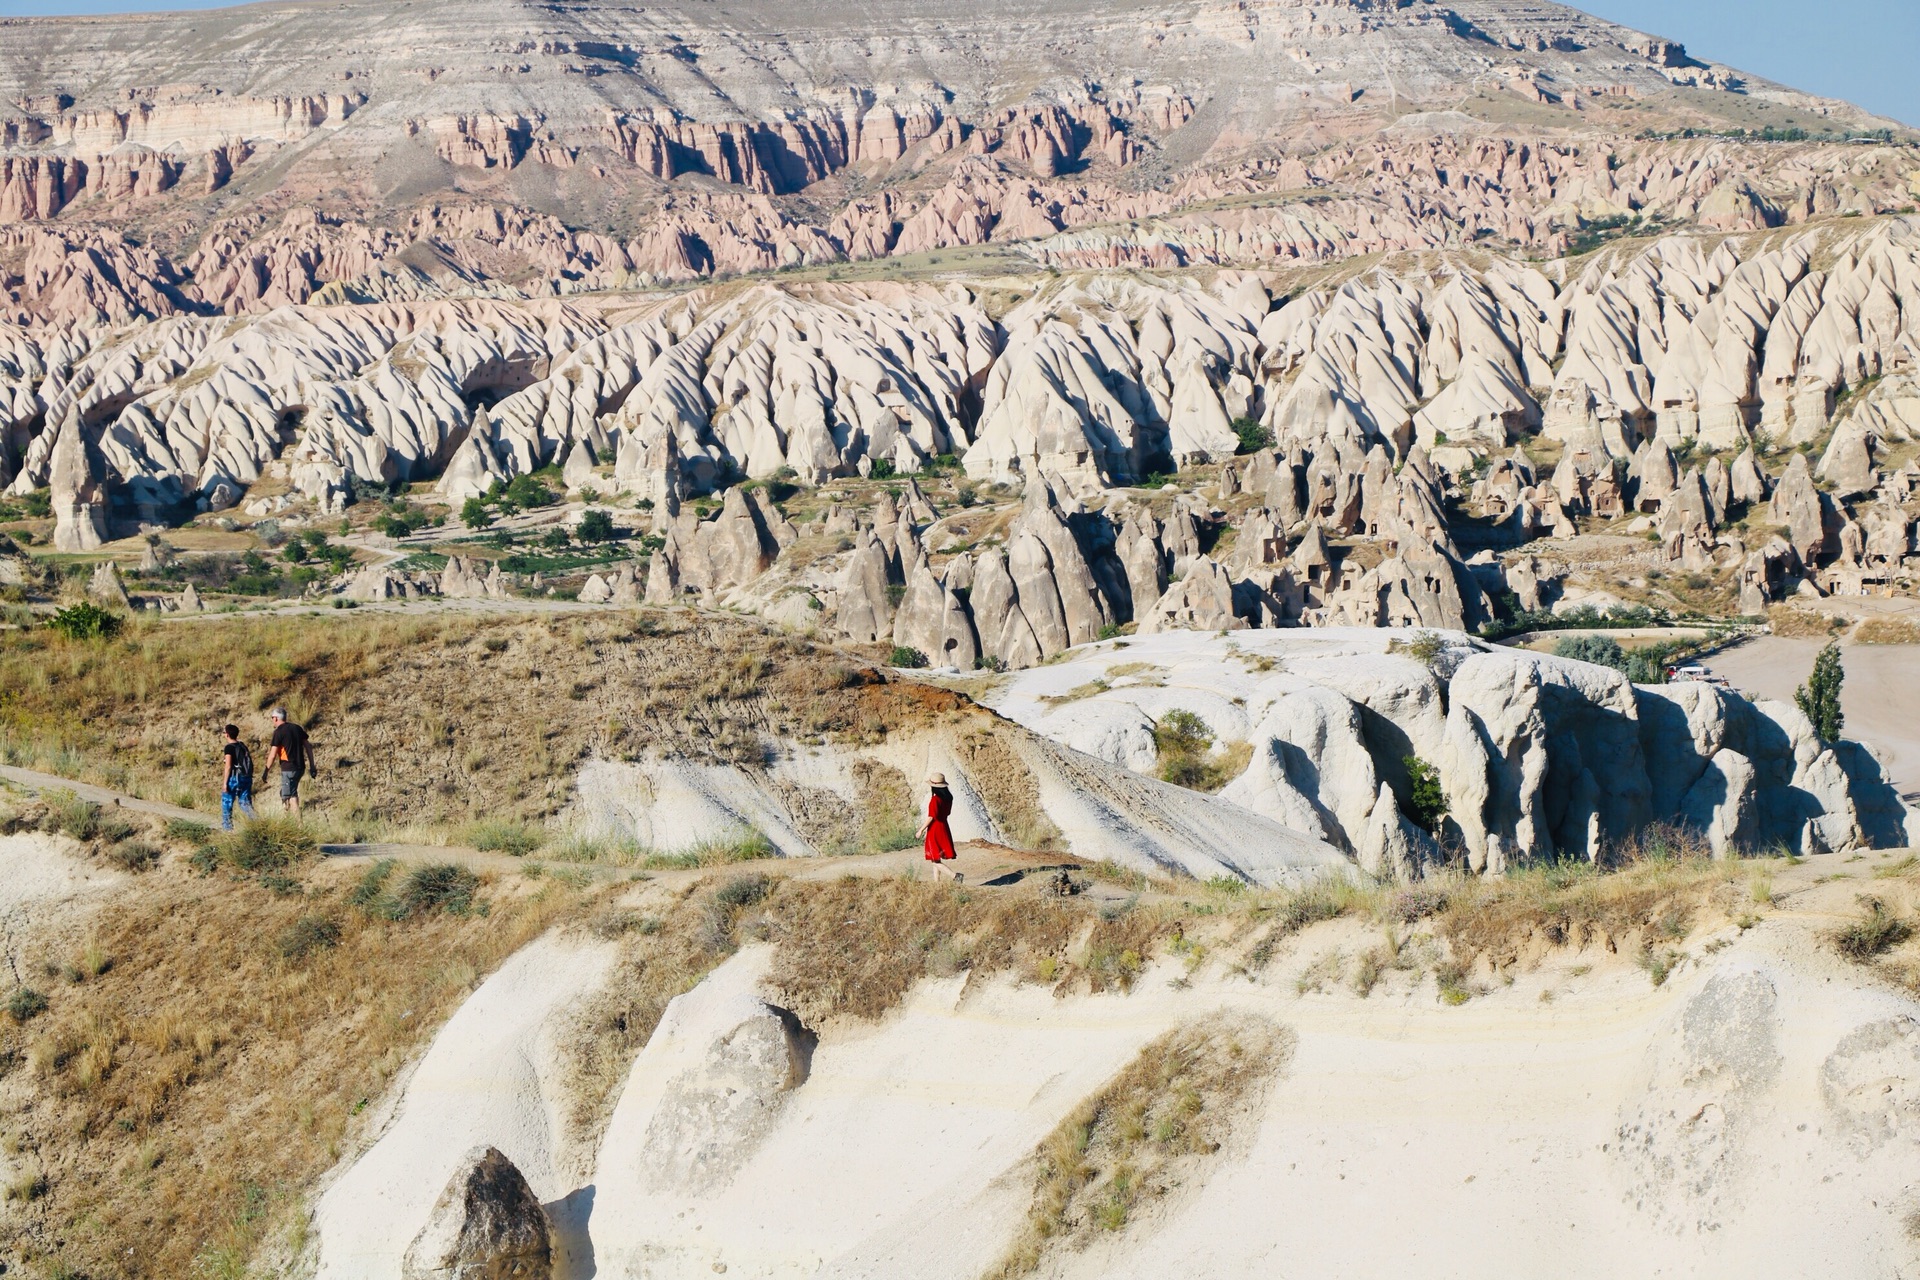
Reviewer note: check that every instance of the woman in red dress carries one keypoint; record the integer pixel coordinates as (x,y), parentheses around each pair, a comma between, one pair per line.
(938,836)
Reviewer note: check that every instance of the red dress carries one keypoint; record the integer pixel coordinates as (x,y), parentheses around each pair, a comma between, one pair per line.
(939,838)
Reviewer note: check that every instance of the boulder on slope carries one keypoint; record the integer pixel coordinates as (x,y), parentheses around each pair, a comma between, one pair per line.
(487,1225)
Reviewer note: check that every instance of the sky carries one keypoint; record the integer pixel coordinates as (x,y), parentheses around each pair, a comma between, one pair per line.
(1860,50)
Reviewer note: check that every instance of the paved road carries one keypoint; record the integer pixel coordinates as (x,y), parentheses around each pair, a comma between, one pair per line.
(1881,697)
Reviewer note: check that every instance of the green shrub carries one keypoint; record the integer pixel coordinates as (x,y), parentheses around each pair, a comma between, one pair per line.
(440,886)
(1252,435)
(133,855)
(68,814)
(1602,651)
(744,891)
(523,493)
(1819,698)
(366,894)
(905,656)
(25,1004)
(474,514)
(307,935)
(1181,732)
(1184,742)
(85,621)
(267,844)
(516,838)
(188,831)
(1424,647)
(882,469)
(1426,802)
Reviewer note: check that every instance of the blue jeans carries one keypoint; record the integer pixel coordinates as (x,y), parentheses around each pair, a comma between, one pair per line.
(227,799)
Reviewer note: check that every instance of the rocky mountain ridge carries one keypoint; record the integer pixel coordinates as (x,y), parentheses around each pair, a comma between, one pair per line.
(239,159)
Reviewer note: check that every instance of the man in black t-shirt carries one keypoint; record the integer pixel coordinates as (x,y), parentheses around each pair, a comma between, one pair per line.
(236,777)
(290,752)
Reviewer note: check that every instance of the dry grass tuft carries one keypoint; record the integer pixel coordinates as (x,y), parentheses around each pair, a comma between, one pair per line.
(1877,931)
(1007,788)
(267,844)
(1886,631)
(1786,620)
(1574,904)
(1144,1132)
(853,948)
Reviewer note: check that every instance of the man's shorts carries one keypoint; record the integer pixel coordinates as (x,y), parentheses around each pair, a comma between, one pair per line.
(289,784)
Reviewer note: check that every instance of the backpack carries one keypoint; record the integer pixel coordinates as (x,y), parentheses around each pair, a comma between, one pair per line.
(242,779)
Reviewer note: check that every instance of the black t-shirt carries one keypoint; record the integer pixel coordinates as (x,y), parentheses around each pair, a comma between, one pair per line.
(289,749)
(240,763)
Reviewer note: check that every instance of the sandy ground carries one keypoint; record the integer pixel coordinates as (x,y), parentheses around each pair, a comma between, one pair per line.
(488,1079)
(1756,1116)
(47,895)
(1881,696)
(42,883)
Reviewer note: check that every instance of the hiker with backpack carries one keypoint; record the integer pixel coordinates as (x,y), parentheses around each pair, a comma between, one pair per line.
(236,778)
(291,752)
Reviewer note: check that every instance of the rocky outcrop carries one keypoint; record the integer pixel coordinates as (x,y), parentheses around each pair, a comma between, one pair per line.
(1537,757)
(487,1225)
(715,1113)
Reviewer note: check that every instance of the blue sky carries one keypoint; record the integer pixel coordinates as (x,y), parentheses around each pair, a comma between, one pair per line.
(1861,50)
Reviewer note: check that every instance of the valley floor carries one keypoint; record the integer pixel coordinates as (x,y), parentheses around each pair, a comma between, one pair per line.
(1881,697)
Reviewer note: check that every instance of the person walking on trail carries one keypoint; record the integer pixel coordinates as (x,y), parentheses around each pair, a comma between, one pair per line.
(291,752)
(934,831)
(236,778)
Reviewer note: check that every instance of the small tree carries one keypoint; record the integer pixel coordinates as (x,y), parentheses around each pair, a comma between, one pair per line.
(1426,802)
(1181,732)
(906,656)
(1819,698)
(595,526)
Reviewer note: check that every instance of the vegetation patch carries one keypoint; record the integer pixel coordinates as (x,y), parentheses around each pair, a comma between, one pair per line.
(229,1036)
(1185,744)
(1576,904)
(1786,620)
(517,839)
(1819,698)
(904,931)
(1877,931)
(85,621)
(1007,787)
(1886,631)
(1147,1130)
(267,844)
(1426,801)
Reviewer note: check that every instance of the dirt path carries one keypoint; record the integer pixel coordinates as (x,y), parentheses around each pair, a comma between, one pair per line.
(978,863)
(1881,696)
(37,782)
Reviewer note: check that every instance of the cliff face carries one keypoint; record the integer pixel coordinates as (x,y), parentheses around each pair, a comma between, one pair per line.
(674,142)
